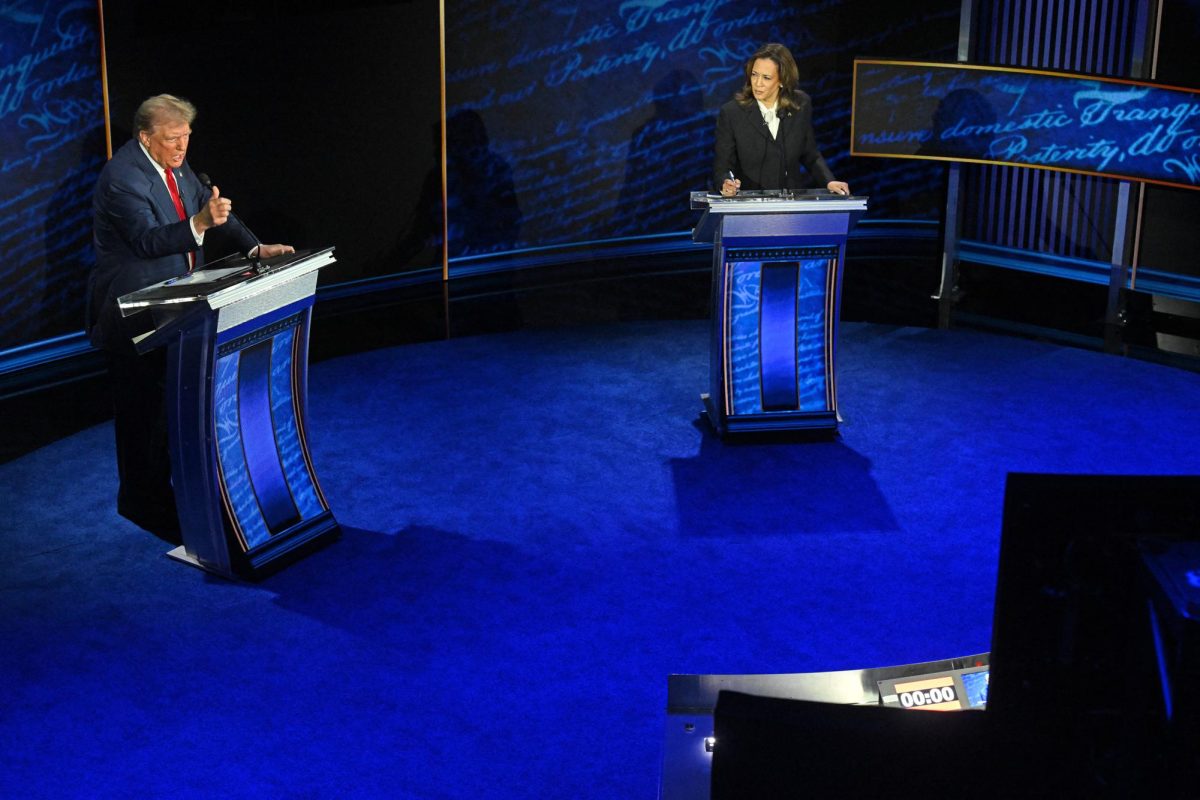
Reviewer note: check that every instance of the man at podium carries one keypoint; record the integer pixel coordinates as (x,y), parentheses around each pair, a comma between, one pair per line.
(765,133)
(150,217)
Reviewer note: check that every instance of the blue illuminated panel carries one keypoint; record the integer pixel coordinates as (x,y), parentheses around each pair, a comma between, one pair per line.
(267,476)
(1099,126)
(777,337)
(258,437)
(235,474)
(744,358)
(780,335)
(287,434)
(813,335)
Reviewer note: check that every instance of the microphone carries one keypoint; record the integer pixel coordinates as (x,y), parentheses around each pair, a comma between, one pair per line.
(206,182)
(783,160)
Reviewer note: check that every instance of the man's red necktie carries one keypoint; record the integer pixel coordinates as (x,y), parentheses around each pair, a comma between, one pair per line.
(173,188)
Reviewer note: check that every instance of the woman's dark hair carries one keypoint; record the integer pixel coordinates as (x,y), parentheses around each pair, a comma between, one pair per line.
(789,76)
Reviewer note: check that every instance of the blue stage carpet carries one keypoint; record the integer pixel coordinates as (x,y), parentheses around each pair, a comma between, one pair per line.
(537,532)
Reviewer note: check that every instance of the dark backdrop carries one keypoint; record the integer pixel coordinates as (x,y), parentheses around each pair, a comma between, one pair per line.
(317,118)
(321,119)
(596,120)
(51,150)
(1170,215)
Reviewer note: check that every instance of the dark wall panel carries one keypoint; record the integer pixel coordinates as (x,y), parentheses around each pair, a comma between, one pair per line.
(599,118)
(1063,214)
(320,119)
(51,150)
(1170,237)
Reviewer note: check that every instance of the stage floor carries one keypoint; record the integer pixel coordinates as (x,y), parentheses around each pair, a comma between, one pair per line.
(538,530)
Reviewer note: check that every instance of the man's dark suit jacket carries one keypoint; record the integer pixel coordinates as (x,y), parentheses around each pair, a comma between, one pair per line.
(137,234)
(745,147)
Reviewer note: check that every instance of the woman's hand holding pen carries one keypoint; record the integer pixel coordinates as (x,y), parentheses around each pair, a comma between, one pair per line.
(731,186)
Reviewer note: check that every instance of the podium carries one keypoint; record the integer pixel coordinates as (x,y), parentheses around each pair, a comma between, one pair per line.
(236,334)
(777,277)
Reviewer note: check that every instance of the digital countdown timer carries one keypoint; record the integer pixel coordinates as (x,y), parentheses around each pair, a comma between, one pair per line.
(951,690)
(933,694)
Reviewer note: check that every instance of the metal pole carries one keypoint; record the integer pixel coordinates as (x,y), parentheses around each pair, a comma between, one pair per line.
(946,289)
(1127,227)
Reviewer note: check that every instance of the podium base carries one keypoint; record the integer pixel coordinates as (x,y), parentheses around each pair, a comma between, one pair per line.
(806,425)
(266,561)
(181,555)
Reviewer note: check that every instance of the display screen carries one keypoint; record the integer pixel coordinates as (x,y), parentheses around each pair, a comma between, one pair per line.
(1077,123)
(976,686)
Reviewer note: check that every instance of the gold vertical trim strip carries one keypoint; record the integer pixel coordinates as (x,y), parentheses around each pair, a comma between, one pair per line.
(1158,18)
(104,80)
(726,325)
(299,390)
(445,186)
(831,310)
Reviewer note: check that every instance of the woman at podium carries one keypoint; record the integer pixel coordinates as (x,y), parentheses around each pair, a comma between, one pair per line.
(765,133)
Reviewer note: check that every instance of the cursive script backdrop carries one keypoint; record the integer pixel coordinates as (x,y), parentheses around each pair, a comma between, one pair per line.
(51,150)
(1106,127)
(574,122)
(567,122)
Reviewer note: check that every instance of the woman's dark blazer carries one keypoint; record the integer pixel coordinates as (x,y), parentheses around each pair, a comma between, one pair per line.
(745,147)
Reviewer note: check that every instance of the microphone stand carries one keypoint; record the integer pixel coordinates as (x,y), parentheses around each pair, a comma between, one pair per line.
(259,267)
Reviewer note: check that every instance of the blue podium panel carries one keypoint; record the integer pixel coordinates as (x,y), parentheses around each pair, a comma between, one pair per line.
(237,338)
(780,331)
(776,299)
(234,473)
(267,482)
